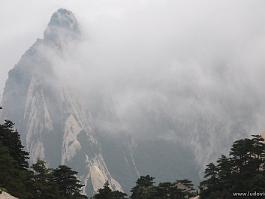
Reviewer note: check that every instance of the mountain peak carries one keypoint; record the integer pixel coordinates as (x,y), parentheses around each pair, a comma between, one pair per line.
(63,26)
(64,19)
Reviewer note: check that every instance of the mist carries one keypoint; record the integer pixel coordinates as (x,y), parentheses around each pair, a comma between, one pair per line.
(182,71)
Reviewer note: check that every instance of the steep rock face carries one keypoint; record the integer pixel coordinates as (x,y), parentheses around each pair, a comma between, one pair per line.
(47,113)
(5,195)
(60,127)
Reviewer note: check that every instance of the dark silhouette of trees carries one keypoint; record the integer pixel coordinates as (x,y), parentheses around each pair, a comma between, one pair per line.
(37,182)
(242,171)
(68,185)
(144,188)
(13,162)
(107,193)
(10,138)
(44,185)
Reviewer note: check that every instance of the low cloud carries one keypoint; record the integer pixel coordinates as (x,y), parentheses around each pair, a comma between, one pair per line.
(176,70)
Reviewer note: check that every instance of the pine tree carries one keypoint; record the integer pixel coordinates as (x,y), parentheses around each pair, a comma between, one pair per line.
(211,184)
(118,195)
(11,139)
(14,174)
(144,188)
(243,171)
(39,182)
(104,192)
(68,184)
(43,185)
(168,190)
(107,193)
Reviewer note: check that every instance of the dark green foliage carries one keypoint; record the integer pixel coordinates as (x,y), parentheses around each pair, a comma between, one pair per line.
(168,190)
(11,139)
(107,193)
(242,171)
(14,176)
(43,183)
(68,185)
(103,193)
(144,188)
(39,182)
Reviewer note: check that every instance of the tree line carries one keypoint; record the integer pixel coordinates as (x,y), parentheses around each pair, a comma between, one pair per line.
(242,171)
(36,181)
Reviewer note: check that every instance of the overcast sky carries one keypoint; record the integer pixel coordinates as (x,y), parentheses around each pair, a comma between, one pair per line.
(22,22)
(189,61)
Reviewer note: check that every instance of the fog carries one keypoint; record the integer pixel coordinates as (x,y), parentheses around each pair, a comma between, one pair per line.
(185,71)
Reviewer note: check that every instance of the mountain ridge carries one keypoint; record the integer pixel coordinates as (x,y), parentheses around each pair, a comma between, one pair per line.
(49,118)
(58,126)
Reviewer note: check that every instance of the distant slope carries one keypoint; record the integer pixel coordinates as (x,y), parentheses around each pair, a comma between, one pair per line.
(60,127)
(5,195)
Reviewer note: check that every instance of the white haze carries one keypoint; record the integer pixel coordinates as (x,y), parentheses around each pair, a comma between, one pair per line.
(189,71)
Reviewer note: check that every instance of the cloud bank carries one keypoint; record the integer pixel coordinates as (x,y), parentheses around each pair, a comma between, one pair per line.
(184,71)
